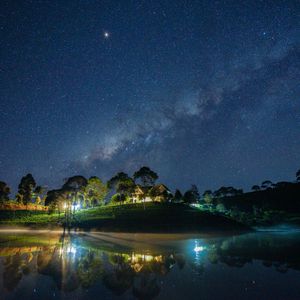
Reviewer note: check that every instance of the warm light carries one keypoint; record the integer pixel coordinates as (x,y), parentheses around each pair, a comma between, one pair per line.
(148,258)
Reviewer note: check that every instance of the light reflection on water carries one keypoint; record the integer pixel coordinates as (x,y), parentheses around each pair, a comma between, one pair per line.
(94,266)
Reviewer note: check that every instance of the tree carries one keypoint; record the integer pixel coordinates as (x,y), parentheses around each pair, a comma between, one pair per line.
(95,191)
(255,188)
(75,185)
(221,192)
(146,175)
(114,181)
(118,198)
(227,192)
(39,194)
(126,187)
(4,192)
(298,175)
(267,184)
(208,197)
(56,199)
(177,196)
(123,185)
(19,198)
(282,184)
(26,189)
(192,196)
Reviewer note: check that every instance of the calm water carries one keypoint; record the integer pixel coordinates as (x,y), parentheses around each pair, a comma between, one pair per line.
(103,266)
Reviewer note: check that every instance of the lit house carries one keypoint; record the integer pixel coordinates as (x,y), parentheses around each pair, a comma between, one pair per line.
(156,193)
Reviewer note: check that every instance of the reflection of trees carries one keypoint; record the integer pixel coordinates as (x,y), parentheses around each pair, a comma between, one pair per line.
(69,269)
(146,286)
(89,269)
(59,267)
(15,267)
(72,266)
(138,272)
(119,278)
(276,251)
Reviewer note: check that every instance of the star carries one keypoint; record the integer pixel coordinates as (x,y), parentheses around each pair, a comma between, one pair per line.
(106,34)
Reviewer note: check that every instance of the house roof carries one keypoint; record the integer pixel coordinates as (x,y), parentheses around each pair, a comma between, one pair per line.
(160,189)
(142,189)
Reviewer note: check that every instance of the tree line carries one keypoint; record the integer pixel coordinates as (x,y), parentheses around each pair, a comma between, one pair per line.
(78,191)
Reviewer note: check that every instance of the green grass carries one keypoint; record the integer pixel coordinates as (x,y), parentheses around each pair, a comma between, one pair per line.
(156,217)
(26,217)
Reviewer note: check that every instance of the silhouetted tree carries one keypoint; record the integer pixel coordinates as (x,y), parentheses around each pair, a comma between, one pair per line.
(56,199)
(221,192)
(267,184)
(298,175)
(227,192)
(117,179)
(208,197)
(146,175)
(282,184)
(192,195)
(4,192)
(255,188)
(177,196)
(75,185)
(26,188)
(39,193)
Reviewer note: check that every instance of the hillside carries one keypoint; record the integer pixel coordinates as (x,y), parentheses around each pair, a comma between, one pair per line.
(285,198)
(131,218)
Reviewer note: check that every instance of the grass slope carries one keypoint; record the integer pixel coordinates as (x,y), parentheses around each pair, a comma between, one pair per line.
(130,218)
(155,217)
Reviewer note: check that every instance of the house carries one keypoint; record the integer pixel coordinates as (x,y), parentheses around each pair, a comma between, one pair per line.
(156,193)
(141,194)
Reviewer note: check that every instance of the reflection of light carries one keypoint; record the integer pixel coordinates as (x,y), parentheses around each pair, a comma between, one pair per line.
(65,205)
(76,207)
(198,248)
(144,258)
(148,257)
(71,250)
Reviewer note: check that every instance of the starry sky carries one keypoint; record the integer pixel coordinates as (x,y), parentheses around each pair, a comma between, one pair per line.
(203,92)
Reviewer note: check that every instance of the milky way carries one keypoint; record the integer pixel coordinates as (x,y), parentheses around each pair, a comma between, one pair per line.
(205,93)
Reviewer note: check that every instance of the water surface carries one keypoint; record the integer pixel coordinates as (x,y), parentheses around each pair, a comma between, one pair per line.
(263,265)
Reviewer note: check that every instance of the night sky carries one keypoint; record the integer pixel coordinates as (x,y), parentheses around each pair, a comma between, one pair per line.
(203,92)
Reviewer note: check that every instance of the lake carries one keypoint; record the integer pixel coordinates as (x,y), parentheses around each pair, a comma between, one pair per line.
(44,265)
